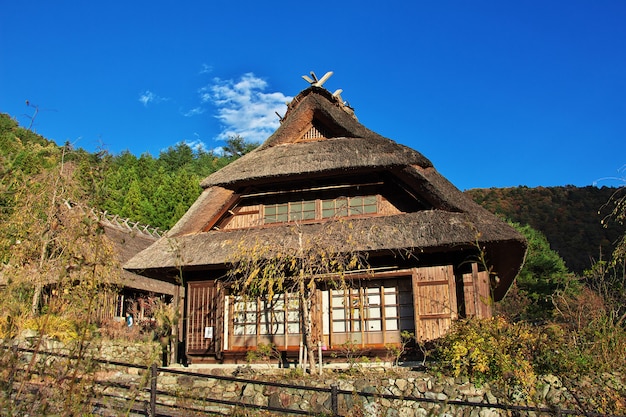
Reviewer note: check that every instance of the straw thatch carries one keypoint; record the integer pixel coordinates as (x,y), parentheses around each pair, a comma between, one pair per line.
(345,148)
(127,242)
(127,238)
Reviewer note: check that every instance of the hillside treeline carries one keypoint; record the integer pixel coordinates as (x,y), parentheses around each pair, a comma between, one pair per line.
(570,218)
(154,191)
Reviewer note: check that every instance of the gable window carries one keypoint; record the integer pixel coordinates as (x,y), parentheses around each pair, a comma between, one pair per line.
(289,212)
(349,206)
(294,211)
(317,200)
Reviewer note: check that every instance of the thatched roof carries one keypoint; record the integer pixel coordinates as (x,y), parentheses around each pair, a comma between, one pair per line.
(128,238)
(128,242)
(352,146)
(345,147)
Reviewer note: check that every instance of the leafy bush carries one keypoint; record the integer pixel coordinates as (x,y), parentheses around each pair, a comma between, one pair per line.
(512,356)
(264,352)
(489,350)
(53,326)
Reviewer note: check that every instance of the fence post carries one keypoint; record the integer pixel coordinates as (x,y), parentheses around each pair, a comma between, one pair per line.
(153,389)
(334,403)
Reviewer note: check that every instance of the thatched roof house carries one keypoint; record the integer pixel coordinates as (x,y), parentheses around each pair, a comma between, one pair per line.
(128,239)
(320,167)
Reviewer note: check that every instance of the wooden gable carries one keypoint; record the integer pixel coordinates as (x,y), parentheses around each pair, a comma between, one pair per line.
(315,131)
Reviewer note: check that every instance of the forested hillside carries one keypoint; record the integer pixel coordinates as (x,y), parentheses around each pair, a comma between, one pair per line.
(155,191)
(570,217)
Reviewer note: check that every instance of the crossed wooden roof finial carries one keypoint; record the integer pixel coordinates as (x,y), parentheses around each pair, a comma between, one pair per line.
(315,82)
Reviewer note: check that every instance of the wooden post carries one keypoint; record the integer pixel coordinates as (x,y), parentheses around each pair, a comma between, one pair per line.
(319,355)
(334,403)
(153,389)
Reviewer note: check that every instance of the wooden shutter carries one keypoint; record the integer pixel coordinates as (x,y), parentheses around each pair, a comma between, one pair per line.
(202,314)
(434,301)
(477,293)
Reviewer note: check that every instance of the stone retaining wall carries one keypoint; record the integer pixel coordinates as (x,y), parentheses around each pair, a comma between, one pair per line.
(143,354)
(204,382)
(440,390)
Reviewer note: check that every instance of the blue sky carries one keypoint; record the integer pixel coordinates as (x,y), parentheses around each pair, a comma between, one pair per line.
(495,93)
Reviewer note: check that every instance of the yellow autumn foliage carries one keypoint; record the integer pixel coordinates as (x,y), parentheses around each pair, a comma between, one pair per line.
(490,350)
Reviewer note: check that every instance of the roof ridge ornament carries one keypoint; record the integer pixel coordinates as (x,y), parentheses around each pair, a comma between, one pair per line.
(315,82)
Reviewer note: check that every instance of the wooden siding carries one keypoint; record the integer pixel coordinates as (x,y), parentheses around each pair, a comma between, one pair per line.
(477,293)
(245,216)
(203,332)
(386,208)
(434,301)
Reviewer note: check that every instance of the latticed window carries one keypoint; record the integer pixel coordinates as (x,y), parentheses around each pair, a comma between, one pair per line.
(362,205)
(349,206)
(245,318)
(260,321)
(316,132)
(291,211)
(374,309)
(294,211)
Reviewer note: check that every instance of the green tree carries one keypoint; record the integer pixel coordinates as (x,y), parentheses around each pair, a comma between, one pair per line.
(134,202)
(177,157)
(543,275)
(237,146)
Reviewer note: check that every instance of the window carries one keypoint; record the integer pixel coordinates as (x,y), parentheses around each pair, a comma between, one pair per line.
(375,313)
(320,209)
(349,206)
(245,318)
(276,213)
(335,208)
(260,321)
(363,205)
(363,309)
(303,210)
(291,211)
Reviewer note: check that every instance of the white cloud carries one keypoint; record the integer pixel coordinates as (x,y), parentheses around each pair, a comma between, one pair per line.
(244,108)
(194,112)
(148,97)
(206,69)
(197,145)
